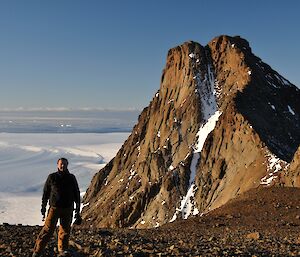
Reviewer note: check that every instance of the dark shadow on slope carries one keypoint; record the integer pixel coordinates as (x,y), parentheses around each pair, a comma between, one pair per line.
(274,113)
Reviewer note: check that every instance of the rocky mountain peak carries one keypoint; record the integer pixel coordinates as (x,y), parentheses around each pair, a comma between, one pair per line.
(214,129)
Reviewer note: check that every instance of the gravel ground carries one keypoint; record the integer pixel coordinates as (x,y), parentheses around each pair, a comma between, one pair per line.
(262,222)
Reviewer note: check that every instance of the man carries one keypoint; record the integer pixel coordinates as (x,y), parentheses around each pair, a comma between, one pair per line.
(61,189)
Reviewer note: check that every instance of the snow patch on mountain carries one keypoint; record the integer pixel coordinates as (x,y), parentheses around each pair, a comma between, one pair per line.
(209,110)
(291,110)
(274,166)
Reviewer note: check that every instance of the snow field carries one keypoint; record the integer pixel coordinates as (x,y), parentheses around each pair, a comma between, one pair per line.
(27,159)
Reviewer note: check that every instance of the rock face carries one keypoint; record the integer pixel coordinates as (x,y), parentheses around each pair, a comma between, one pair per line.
(221,123)
(292,175)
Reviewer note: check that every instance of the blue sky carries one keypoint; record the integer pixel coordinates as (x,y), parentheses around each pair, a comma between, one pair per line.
(110,54)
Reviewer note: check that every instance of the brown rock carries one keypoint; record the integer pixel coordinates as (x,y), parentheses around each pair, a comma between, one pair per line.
(298,241)
(292,175)
(254,235)
(143,185)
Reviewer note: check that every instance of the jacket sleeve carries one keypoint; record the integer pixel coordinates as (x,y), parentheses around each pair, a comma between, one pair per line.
(46,192)
(76,194)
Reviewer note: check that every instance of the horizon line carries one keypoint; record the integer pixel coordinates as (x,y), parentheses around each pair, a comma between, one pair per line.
(66,109)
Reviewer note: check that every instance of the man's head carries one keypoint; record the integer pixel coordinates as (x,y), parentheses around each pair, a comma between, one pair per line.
(62,164)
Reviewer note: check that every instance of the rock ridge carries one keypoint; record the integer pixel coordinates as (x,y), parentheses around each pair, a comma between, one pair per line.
(213,130)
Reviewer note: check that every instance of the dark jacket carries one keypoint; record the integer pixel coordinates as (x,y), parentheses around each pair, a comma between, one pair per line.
(61,189)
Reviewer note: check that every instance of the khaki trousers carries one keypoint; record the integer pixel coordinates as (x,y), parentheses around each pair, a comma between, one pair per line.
(65,216)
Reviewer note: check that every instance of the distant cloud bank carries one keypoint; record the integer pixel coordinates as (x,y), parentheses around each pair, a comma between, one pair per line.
(66,109)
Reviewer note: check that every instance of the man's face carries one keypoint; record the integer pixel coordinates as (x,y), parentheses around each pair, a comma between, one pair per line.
(62,165)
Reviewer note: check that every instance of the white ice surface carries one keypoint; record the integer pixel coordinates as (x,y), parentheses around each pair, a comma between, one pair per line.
(27,159)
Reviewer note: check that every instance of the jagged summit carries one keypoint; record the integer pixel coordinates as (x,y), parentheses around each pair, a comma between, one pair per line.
(222,122)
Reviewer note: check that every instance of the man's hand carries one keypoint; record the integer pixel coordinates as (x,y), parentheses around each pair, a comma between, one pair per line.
(43,212)
(77,216)
(78,219)
(77,210)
